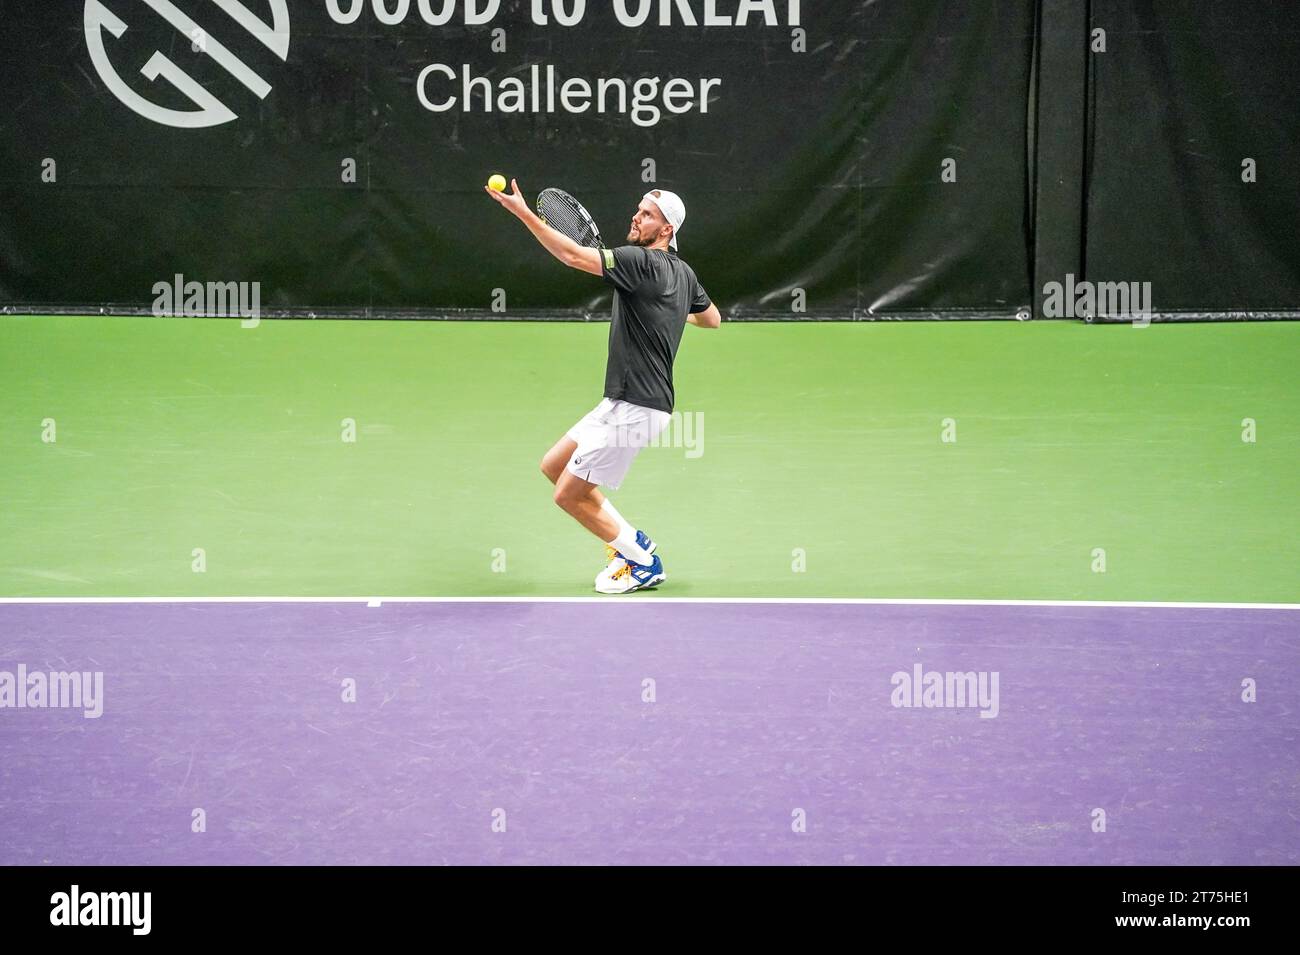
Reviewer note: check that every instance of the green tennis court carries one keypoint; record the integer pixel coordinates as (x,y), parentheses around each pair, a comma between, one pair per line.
(810,461)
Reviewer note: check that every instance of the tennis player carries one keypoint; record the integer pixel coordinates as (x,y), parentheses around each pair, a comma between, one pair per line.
(655,295)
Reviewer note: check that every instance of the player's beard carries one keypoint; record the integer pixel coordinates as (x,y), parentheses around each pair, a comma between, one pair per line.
(636,238)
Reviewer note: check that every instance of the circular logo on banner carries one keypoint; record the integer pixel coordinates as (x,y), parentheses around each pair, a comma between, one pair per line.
(210,110)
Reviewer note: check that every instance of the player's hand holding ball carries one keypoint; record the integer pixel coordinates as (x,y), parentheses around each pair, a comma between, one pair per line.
(513,200)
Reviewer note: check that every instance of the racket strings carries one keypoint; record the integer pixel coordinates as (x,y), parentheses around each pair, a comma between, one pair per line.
(559,212)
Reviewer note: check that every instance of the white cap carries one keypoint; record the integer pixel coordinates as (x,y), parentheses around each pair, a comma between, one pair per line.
(674,210)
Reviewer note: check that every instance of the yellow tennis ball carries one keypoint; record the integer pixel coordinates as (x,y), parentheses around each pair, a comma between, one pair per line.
(497,183)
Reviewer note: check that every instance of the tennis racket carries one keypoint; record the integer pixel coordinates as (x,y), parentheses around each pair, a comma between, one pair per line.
(565,214)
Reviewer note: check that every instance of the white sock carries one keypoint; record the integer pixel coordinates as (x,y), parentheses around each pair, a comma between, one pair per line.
(625,543)
(608,507)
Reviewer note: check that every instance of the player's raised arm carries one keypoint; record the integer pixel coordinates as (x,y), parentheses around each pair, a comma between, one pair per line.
(559,245)
(709,318)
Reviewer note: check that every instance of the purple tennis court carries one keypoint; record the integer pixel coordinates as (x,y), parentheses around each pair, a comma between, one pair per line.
(648,732)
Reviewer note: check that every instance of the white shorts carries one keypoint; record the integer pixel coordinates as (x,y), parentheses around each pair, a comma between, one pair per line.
(609,438)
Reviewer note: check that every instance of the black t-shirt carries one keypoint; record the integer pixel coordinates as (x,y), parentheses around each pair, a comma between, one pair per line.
(654,291)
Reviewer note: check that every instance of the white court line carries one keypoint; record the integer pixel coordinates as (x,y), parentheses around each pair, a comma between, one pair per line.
(649,600)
